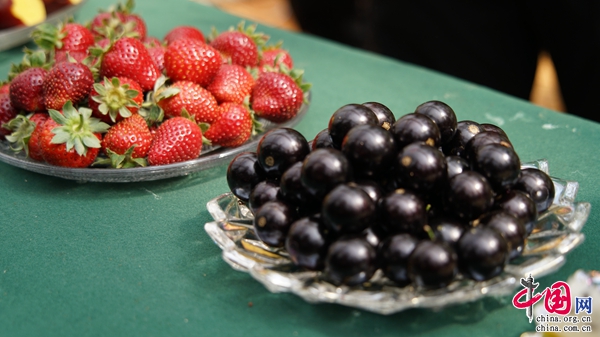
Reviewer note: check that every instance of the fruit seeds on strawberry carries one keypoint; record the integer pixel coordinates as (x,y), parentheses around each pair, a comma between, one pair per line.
(126,144)
(177,139)
(71,138)
(114,99)
(239,45)
(274,57)
(277,97)
(191,97)
(128,57)
(184,32)
(7,113)
(61,38)
(233,127)
(26,90)
(232,83)
(192,60)
(67,81)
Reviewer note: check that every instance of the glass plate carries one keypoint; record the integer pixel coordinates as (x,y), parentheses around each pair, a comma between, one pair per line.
(557,232)
(211,156)
(12,37)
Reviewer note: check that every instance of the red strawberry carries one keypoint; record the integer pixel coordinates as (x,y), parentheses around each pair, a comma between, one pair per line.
(7,113)
(62,38)
(25,134)
(197,101)
(127,143)
(184,32)
(26,90)
(192,60)
(138,120)
(114,99)
(274,57)
(71,139)
(232,83)
(129,58)
(157,53)
(64,56)
(276,97)
(103,20)
(177,139)
(119,21)
(139,25)
(240,46)
(4,88)
(233,127)
(67,81)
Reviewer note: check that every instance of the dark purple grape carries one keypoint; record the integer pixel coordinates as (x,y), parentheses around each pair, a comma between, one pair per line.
(482,139)
(393,254)
(468,195)
(322,140)
(347,209)
(402,212)
(447,229)
(307,243)
(443,116)
(370,187)
(432,264)
(465,130)
(493,128)
(347,117)
(243,173)
(414,127)
(520,205)
(482,253)
(293,191)
(456,165)
(499,164)
(279,149)
(538,185)
(323,169)
(350,261)
(373,236)
(262,193)
(420,168)
(511,228)
(272,222)
(370,150)
(385,116)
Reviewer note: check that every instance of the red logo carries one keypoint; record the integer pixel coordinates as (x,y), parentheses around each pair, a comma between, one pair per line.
(557,298)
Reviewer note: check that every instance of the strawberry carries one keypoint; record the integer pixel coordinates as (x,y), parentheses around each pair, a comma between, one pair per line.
(7,113)
(26,90)
(67,81)
(129,57)
(274,57)
(73,38)
(114,99)
(233,127)
(127,143)
(71,139)
(157,53)
(232,83)
(184,32)
(25,134)
(276,96)
(240,46)
(4,88)
(194,99)
(192,60)
(119,21)
(177,139)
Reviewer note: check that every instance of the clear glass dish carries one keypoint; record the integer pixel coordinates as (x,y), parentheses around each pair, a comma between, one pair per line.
(12,37)
(211,156)
(557,232)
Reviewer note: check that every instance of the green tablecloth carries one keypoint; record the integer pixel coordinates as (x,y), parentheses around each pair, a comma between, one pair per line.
(80,259)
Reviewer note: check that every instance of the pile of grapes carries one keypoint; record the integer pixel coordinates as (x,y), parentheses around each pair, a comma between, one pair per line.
(424,198)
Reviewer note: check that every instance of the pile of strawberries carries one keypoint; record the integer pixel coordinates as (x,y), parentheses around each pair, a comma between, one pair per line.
(107,94)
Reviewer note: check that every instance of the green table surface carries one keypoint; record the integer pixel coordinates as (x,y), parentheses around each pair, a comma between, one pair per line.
(95,259)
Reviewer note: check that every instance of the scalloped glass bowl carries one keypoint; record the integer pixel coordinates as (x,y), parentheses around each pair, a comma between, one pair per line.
(211,156)
(557,232)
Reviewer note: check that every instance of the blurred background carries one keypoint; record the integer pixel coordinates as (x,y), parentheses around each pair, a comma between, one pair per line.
(279,14)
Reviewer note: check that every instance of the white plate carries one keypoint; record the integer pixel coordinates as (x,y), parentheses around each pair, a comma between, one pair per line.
(557,232)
